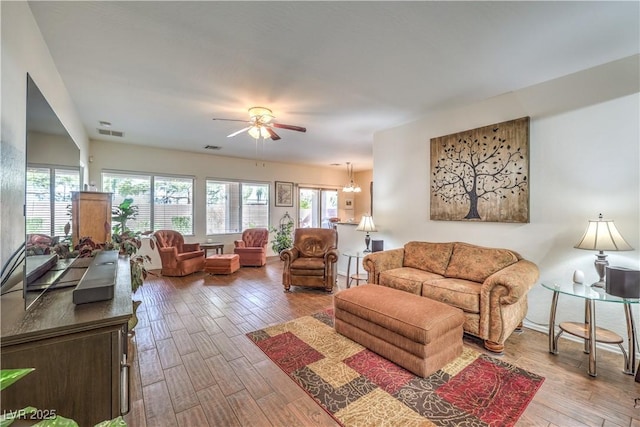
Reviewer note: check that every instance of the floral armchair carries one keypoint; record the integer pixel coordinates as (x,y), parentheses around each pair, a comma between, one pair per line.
(312,260)
(177,257)
(252,248)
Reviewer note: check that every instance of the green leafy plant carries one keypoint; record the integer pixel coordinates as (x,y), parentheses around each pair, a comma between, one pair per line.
(283,238)
(128,243)
(181,224)
(122,213)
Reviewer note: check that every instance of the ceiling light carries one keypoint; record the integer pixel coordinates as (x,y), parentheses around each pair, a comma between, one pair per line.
(261,115)
(351,187)
(258,131)
(254,132)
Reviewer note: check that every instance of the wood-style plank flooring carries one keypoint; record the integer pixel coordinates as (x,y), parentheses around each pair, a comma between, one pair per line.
(193,366)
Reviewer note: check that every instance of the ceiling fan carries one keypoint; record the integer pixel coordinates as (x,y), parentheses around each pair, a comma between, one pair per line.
(261,124)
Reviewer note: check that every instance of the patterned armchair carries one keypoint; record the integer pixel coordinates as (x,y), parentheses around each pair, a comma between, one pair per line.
(178,258)
(312,260)
(252,249)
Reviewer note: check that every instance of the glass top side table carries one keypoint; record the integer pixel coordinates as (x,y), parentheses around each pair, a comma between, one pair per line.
(357,277)
(589,329)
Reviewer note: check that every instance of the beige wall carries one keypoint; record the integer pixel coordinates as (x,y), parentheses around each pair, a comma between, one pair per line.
(584,160)
(23,51)
(125,157)
(52,150)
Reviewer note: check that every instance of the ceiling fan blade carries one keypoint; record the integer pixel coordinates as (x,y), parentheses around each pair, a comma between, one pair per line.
(289,127)
(274,136)
(238,132)
(231,120)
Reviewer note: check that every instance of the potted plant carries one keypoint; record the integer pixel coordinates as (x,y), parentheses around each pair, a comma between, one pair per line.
(122,213)
(127,242)
(283,238)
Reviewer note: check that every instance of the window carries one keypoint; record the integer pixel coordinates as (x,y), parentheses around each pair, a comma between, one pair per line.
(235,206)
(48,198)
(136,187)
(172,206)
(316,207)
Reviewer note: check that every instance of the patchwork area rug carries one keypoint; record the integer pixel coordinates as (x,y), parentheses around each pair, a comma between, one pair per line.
(359,388)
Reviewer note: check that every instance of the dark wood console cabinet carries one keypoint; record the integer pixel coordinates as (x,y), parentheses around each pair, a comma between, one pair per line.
(79,352)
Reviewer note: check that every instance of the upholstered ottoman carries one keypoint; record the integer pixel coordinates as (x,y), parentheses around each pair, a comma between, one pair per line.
(222,264)
(417,333)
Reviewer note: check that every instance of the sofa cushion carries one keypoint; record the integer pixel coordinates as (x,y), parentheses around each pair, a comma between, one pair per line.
(460,293)
(406,279)
(476,263)
(433,257)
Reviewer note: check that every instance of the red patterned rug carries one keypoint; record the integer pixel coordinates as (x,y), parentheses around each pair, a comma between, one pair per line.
(359,388)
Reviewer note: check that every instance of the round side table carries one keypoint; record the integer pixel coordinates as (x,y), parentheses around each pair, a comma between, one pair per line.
(357,277)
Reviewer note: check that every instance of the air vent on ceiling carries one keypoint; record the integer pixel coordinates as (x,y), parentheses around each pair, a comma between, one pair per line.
(213,147)
(108,132)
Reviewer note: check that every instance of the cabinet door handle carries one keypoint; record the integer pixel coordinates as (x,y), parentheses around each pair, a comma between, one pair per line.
(125,396)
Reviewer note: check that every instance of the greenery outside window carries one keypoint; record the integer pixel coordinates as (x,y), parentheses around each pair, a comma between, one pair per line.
(48,198)
(136,187)
(233,206)
(173,204)
(164,202)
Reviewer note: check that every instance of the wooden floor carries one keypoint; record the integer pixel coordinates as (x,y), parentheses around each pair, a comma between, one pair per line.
(193,365)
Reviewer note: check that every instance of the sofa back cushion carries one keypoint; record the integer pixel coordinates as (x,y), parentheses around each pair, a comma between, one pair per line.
(433,257)
(476,263)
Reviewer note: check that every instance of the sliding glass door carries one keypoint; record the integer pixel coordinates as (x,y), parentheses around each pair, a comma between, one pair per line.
(316,207)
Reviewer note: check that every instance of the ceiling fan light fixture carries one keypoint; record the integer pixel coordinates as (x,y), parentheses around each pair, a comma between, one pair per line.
(254,132)
(258,132)
(261,114)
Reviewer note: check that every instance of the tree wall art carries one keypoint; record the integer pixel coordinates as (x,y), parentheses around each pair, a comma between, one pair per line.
(482,174)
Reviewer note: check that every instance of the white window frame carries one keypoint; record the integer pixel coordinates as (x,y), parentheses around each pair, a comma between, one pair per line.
(234,206)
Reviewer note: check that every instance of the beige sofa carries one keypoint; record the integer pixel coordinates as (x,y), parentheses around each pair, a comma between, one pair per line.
(490,285)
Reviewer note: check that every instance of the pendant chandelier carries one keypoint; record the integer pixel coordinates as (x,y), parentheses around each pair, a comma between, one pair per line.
(351,187)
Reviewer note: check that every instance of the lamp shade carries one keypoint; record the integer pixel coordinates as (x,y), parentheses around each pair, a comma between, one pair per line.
(602,235)
(366,224)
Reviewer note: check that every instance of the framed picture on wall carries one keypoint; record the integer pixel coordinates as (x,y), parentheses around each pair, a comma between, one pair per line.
(482,174)
(348,203)
(284,194)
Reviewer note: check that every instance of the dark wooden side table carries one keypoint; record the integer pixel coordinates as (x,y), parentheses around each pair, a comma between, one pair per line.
(219,247)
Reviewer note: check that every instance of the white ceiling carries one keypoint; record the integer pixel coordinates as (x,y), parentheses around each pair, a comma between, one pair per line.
(160,71)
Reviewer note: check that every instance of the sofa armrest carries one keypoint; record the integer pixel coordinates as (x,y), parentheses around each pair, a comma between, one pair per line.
(238,243)
(377,262)
(190,247)
(289,255)
(331,257)
(516,280)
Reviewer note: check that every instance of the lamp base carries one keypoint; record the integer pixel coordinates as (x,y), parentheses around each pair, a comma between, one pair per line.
(367,240)
(600,263)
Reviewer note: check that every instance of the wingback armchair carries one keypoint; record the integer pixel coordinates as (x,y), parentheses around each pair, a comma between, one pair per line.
(252,248)
(177,257)
(312,260)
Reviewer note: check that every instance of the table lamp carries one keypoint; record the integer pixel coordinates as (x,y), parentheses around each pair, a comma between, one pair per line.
(602,236)
(366,225)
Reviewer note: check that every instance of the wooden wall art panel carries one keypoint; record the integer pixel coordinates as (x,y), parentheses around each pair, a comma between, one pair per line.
(482,174)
